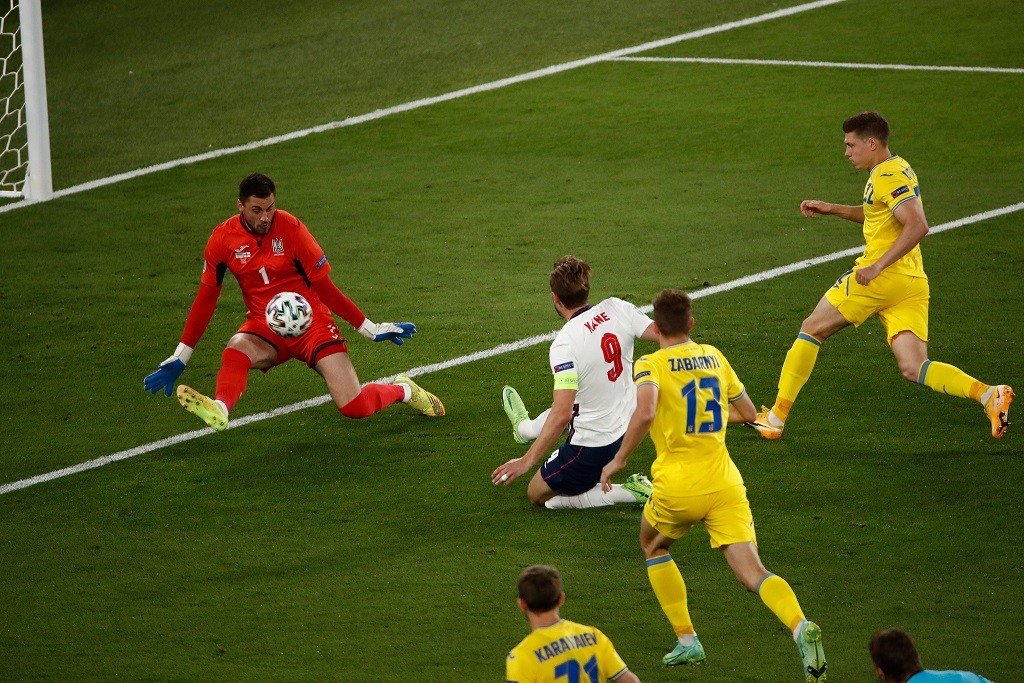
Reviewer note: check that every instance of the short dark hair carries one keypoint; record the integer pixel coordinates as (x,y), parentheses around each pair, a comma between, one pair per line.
(540,587)
(570,280)
(869,124)
(893,652)
(255,185)
(673,311)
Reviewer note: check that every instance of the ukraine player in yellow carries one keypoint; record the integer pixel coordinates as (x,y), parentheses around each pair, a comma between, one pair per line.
(888,279)
(556,649)
(687,393)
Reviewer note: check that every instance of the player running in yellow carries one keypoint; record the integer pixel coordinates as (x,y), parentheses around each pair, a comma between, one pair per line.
(888,279)
(558,650)
(687,393)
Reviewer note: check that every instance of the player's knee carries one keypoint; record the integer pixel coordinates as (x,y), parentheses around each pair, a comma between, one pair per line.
(909,373)
(749,582)
(652,550)
(811,328)
(910,368)
(653,547)
(538,492)
(538,499)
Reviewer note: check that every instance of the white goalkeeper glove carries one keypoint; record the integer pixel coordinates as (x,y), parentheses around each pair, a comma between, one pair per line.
(396,333)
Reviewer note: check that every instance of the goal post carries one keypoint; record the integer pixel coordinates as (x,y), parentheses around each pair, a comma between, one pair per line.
(24,121)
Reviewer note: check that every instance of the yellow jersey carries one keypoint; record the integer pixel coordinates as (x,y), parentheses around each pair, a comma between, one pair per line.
(695,386)
(564,651)
(890,183)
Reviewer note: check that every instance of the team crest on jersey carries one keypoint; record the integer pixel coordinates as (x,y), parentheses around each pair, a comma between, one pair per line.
(278,245)
(243,254)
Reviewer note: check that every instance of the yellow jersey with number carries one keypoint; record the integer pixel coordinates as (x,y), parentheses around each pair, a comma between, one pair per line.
(695,386)
(890,183)
(564,651)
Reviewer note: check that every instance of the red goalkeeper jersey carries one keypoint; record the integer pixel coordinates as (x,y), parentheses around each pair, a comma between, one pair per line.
(286,259)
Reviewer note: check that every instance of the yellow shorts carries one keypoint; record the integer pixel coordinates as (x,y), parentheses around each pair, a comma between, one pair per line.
(726,515)
(901,302)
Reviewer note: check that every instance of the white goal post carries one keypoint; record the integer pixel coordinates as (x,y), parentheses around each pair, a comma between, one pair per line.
(24,121)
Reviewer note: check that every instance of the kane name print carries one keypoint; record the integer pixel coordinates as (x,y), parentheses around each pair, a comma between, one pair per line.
(591,325)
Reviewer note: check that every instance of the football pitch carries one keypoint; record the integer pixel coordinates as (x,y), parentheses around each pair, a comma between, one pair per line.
(445,154)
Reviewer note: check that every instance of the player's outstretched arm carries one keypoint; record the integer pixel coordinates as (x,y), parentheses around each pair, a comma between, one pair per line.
(812,207)
(199,317)
(341,305)
(639,423)
(561,412)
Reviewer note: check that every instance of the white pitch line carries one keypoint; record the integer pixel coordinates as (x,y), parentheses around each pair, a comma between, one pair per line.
(428,101)
(478,355)
(827,65)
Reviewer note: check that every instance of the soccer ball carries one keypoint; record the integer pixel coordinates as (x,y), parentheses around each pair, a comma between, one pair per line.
(289,314)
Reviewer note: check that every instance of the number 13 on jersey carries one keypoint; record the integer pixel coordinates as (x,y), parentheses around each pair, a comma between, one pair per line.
(703,405)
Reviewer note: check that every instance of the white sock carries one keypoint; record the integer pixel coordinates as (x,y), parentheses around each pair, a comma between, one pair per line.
(987,395)
(221,404)
(799,630)
(594,498)
(773,420)
(408,392)
(530,429)
(687,639)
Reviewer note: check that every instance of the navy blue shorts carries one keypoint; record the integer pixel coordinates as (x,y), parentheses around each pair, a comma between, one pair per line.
(572,470)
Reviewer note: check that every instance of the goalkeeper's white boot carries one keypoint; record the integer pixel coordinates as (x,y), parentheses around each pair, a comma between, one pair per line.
(205,408)
(422,400)
(515,409)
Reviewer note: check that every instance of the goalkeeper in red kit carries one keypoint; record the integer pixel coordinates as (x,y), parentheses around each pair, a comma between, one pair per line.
(270,251)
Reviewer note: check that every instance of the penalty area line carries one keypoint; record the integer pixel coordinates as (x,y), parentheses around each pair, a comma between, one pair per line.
(498,350)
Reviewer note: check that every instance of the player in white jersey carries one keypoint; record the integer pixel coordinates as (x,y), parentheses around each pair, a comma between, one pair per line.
(592,362)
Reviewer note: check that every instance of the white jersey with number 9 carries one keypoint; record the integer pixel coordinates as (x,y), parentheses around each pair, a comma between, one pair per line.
(596,348)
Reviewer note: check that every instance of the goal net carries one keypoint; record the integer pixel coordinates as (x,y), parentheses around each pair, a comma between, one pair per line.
(24,128)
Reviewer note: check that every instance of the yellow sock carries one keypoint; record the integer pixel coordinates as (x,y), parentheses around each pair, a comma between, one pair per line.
(795,373)
(781,600)
(670,590)
(949,379)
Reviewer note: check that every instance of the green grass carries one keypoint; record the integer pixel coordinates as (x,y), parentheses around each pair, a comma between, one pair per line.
(311,547)
(132,84)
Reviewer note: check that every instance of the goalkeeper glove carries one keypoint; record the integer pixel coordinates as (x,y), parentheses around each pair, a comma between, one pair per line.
(168,371)
(392,332)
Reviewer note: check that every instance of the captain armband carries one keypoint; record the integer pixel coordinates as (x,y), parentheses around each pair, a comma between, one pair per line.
(567,380)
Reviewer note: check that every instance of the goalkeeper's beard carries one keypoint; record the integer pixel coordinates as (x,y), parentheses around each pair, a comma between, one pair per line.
(259,228)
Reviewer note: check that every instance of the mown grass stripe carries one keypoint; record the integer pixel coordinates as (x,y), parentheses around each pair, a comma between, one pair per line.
(498,350)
